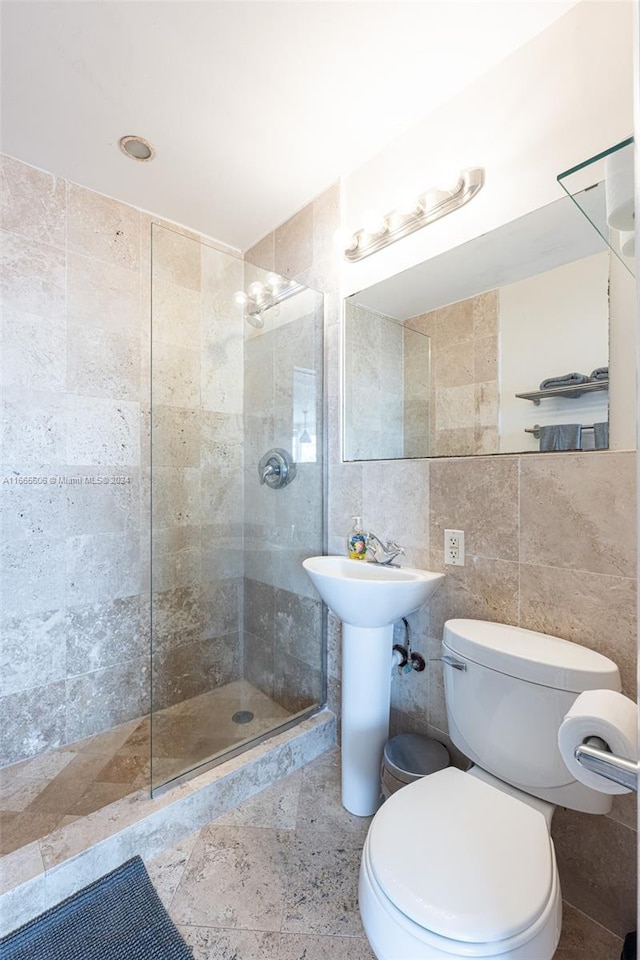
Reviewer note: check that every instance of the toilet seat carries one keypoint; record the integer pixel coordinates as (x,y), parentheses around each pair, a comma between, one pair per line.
(459,862)
(393,936)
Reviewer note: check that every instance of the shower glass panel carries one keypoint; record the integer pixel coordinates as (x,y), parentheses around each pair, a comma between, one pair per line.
(236,372)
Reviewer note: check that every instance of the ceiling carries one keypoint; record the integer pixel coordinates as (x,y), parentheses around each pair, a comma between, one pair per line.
(253,108)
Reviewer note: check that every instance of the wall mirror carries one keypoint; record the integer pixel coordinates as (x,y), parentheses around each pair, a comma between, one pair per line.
(467,353)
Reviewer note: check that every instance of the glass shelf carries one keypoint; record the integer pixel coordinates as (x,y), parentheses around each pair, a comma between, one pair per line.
(573,390)
(602,188)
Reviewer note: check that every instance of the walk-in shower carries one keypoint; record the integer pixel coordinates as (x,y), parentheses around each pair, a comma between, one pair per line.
(154,615)
(236,491)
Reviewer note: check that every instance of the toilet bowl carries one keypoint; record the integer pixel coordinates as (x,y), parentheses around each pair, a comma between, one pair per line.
(472,875)
(461,864)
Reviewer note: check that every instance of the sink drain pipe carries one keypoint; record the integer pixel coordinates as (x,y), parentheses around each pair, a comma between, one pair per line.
(403,658)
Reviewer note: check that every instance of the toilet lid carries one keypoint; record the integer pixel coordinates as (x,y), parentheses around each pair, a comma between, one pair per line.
(462,859)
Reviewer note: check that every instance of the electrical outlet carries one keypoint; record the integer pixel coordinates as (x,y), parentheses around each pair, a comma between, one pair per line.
(454,547)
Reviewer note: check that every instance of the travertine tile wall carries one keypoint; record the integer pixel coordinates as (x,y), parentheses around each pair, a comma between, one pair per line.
(550,541)
(75,413)
(73,385)
(416,421)
(464,375)
(302,250)
(85,374)
(283,361)
(197,463)
(373,383)
(387,386)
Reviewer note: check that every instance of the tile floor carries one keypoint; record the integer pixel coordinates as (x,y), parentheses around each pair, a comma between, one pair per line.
(49,791)
(276,879)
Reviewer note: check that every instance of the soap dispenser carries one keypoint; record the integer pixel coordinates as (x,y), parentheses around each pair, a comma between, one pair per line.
(357,543)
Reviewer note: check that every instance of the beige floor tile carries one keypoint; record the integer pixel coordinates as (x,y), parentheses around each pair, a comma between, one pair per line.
(21,793)
(320,805)
(19,829)
(89,774)
(294,947)
(96,796)
(219,875)
(584,939)
(211,943)
(122,768)
(236,877)
(166,870)
(322,887)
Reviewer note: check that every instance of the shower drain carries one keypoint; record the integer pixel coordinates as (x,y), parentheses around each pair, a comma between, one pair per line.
(242,716)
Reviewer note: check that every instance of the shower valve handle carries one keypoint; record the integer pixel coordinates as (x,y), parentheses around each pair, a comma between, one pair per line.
(276,469)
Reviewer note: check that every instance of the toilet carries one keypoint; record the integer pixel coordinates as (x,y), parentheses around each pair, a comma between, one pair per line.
(459,863)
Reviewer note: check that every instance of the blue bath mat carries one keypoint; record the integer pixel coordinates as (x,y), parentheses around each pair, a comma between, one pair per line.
(118,917)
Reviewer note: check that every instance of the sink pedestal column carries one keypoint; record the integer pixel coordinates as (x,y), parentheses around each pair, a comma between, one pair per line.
(366,696)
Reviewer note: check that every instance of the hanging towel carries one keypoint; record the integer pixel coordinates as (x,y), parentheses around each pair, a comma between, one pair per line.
(561,436)
(568,380)
(600,373)
(601,435)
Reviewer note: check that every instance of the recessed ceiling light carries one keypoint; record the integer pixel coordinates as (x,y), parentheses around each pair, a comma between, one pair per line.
(137,148)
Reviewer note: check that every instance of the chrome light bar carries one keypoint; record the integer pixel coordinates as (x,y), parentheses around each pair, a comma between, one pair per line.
(430,206)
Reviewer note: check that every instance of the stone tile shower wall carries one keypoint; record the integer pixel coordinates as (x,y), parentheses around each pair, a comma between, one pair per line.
(550,541)
(75,407)
(282,653)
(302,250)
(197,460)
(72,404)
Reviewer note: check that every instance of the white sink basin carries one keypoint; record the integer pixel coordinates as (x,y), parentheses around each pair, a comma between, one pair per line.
(368,594)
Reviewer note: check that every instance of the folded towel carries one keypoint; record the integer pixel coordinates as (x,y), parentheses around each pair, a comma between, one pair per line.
(601,435)
(561,436)
(568,380)
(600,373)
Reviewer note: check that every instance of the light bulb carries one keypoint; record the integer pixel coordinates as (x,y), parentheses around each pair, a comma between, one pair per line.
(344,240)
(408,204)
(256,290)
(273,283)
(374,223)
(240,298)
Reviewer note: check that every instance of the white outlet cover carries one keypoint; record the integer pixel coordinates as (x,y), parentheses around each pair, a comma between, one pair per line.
(454,548)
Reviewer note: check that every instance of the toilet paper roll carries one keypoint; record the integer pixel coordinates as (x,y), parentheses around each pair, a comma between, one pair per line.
(619,189)
(605,714)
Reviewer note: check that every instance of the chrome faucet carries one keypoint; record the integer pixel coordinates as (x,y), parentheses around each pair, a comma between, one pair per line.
(379,552)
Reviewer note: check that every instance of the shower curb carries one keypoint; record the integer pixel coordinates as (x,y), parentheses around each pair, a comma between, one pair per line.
(44,872)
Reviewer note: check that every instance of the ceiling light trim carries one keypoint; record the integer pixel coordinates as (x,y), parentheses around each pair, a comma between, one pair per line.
(133,139)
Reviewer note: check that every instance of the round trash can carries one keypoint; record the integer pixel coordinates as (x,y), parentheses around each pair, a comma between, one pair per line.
(408,757)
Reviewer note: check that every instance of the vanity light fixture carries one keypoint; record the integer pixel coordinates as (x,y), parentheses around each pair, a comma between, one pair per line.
(379,231)
(264,296)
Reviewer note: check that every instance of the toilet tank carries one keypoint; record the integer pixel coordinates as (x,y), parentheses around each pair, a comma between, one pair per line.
(507,691)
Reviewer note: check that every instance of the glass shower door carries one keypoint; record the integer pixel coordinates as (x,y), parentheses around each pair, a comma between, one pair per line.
(283,653)
(237,641)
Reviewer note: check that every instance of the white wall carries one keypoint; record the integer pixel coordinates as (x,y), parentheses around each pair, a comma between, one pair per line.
(560,99)
(622,359)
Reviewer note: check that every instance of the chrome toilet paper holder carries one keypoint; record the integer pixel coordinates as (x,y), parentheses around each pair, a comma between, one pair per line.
(594,755)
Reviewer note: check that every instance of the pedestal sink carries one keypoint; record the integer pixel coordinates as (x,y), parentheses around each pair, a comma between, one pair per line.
(368,598)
